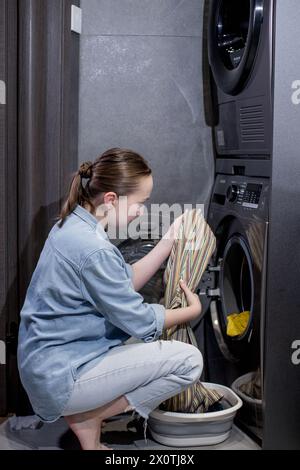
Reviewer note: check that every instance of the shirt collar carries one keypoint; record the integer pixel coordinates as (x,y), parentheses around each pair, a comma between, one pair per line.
(90,219)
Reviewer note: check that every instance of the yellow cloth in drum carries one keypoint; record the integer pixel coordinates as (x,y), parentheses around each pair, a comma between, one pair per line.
(237,323)
(191,252)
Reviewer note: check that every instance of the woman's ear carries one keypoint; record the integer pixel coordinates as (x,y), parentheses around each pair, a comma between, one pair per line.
(110,198)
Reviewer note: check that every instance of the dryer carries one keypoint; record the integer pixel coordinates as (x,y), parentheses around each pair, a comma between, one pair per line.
(235,283)
(240,48)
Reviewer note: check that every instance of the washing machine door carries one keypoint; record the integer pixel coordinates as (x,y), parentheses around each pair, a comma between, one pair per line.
(233,295)
(233,40)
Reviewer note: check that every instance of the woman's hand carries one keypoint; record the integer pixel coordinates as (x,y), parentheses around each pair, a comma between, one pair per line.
(193,300)
(177,316)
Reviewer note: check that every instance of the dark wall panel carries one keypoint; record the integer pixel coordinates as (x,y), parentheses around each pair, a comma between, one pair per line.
(48,115)
(9,304)
(282,374)
(48,126)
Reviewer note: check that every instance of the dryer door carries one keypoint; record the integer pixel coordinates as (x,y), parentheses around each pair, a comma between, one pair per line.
(232,305)
(233,39)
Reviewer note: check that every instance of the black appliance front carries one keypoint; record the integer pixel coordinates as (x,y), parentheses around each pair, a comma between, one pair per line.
(240,57)
(232,291)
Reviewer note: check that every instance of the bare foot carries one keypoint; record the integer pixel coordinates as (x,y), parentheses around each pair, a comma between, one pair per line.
(103,447)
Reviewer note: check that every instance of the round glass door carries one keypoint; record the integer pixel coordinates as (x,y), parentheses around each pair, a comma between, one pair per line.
(233,324)
(233,29)
(233,39)
(236,286)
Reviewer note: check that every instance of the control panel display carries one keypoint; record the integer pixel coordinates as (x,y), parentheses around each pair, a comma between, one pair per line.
(252,195)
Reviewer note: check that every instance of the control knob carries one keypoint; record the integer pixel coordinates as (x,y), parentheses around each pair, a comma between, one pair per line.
(233,192)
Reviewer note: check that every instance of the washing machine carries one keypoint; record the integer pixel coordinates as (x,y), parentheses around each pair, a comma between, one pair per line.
(240,50)
(234,284)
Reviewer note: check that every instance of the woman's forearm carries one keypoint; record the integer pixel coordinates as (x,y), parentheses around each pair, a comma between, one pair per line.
(146,267)
(177,316)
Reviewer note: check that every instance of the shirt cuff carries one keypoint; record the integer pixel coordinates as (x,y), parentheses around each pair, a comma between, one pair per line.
(160,314)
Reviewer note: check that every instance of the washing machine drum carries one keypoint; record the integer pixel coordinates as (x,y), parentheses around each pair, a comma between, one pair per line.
(233,40)
(233,313)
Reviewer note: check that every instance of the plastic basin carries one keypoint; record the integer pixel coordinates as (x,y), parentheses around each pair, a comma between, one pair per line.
(196,429)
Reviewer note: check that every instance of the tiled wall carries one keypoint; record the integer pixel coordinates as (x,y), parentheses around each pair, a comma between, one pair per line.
(141,88)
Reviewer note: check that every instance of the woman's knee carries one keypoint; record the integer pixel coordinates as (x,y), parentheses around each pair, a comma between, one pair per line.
(192,361)
(196,361)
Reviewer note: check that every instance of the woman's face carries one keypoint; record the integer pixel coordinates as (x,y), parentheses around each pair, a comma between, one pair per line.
(130,207)
(124,209)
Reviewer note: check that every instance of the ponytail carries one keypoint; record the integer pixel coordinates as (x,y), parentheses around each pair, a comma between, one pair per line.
(78,194)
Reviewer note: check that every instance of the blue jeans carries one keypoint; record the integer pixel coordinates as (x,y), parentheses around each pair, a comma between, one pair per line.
(145,373)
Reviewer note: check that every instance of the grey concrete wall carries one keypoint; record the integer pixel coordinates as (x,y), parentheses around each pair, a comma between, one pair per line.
(141,88)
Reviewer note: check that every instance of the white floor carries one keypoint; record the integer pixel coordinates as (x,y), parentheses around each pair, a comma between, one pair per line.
(120,433)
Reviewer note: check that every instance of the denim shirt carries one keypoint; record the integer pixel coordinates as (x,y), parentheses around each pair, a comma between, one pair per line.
(80,303)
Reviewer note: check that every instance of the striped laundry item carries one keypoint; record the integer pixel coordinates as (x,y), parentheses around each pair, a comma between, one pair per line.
(190,255)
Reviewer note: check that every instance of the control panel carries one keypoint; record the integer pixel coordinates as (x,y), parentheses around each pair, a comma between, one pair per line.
(245,194)
(239,191)
(252,195)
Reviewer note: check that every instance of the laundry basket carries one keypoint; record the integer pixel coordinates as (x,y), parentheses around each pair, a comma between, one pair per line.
(196,429)
(252,412)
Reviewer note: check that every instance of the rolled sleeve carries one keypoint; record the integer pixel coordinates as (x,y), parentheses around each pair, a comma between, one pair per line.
(106,284)
(160,313)
(129,269)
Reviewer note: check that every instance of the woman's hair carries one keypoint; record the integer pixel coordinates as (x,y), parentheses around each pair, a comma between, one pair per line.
(117,170)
